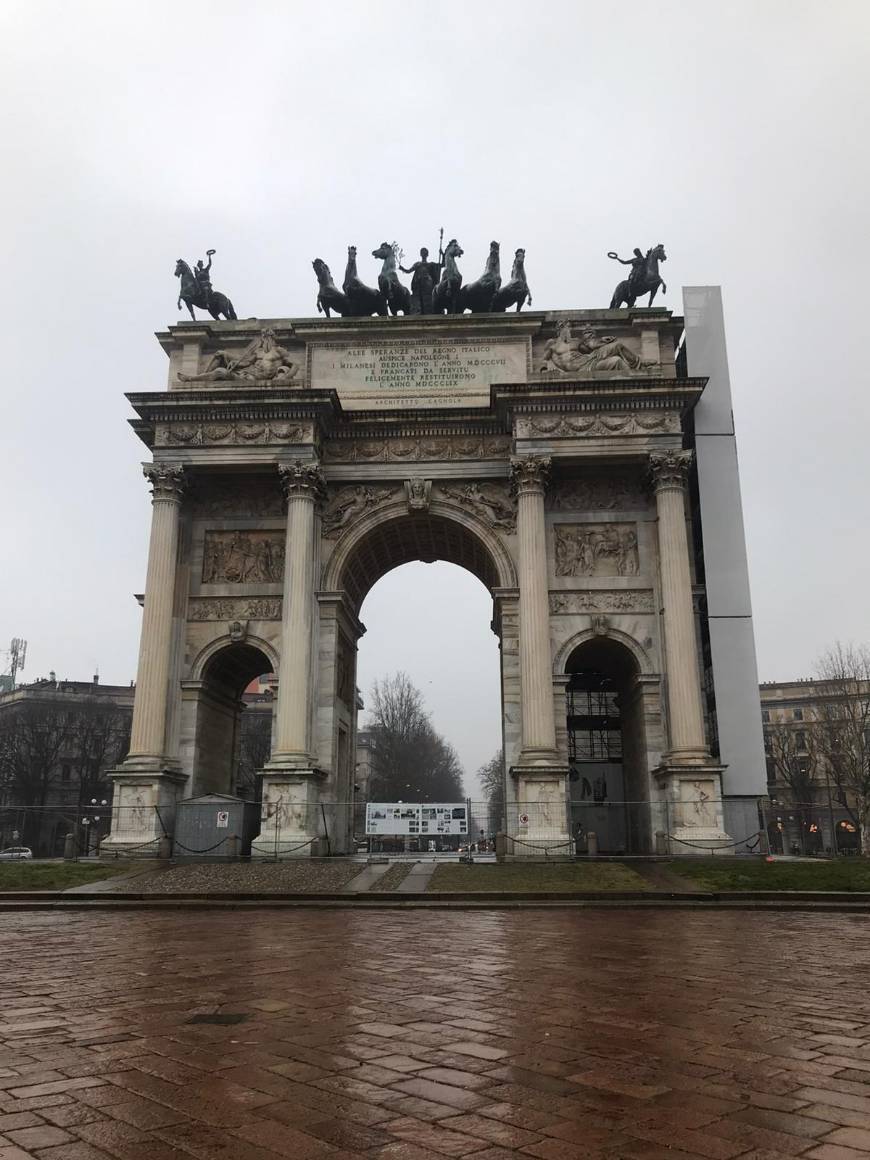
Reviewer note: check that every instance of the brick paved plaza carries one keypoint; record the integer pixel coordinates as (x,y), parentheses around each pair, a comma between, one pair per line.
(413,1035)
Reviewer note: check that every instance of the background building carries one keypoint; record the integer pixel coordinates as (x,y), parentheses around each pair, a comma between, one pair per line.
(58,739)
(813,807)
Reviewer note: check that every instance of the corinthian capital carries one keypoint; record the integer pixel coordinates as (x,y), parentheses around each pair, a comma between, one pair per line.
(302,480)
(669,469)
(166,479)
(530,473)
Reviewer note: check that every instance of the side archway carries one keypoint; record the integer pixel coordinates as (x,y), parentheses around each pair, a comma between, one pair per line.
(227,731)
(607,742)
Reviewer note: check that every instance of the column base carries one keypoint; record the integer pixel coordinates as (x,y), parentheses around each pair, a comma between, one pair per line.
(538,824)
(146,790)
(693,800)
(291,822)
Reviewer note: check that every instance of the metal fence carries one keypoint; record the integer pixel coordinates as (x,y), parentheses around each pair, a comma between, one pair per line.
(541,828)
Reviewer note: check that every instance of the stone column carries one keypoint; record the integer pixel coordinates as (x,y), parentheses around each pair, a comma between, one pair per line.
(148,731)
(669,471)
(530,477)
(303,486)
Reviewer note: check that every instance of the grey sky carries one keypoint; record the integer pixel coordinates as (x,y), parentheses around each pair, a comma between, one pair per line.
(133,134)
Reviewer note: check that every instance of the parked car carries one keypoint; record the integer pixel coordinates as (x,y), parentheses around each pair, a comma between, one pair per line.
(15,853)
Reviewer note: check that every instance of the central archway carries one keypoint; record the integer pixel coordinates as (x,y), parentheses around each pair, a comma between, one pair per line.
(376,545)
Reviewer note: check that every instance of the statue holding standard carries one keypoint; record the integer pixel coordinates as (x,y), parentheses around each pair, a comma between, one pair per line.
(196,290)
(425,278)
(644,277)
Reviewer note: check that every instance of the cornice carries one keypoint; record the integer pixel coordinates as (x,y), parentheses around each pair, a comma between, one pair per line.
(594,394)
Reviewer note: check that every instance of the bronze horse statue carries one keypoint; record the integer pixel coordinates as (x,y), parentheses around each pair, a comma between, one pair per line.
(329,297)
(398,296)
(517,291)
(364,300)
(198,292)
(445,297)
(478,296)
(644,277)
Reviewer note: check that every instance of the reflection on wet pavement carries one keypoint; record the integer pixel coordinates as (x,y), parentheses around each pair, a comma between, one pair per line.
(414,1035)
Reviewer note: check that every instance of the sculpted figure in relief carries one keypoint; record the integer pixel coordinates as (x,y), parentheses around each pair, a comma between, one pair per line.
(591,353)
(243,558)
(487,501)
(262,360)
(348,503)
(596,549)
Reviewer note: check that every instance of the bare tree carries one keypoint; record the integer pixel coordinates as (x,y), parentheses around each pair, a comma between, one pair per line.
(843,729)
(491,778)
(98,738)
(793,757)
(410,760)
(32,738)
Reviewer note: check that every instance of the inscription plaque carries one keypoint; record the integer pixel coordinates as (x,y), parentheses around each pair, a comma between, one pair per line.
(407,373)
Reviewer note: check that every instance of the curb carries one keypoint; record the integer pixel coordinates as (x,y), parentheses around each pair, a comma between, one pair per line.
(819,901)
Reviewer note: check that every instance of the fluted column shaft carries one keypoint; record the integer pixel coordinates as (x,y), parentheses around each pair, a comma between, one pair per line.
(539,728)
(669,471)
(148,730)
(303,487)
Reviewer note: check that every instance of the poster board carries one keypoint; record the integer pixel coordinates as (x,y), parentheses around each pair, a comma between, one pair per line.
(427,819)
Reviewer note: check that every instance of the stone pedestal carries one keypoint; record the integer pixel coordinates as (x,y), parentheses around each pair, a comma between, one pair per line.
(143,809)
(542,812)
(290,821)
(693,802)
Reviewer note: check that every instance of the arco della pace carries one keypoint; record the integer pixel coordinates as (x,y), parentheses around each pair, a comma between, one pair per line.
(580,463)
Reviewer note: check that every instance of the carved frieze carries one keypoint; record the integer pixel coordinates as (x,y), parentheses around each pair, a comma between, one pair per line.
(346,504)
(243,557)
(598,425)
(597,493)
(413,449)
(610,600)
(241,496)
(234,608)
(232,433)
(596,549)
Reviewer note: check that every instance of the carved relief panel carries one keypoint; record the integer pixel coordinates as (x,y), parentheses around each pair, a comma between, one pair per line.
(243,557)
(598,493)
(596,549)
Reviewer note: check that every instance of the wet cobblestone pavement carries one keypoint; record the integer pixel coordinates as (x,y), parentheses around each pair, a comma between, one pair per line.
(414,1035)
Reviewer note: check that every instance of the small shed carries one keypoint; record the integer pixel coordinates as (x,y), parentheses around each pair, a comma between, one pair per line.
(204,825)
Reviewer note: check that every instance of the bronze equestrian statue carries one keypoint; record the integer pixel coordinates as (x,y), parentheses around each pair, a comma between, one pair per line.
(644,277)
(398,296)
(477,296)
(517,291)
(445,298)
(364,300)
(329,297)
(196,290)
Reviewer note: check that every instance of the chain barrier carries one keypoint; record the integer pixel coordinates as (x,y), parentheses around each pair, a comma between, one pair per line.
(721,845)
(180,845)
(537,846)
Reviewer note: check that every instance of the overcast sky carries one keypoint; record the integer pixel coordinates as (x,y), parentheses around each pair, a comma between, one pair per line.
(132,134)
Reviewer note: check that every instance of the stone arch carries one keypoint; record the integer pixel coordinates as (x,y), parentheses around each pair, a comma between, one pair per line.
(384,539)
(608,724)
(205,654)
(222,671)
(638,652)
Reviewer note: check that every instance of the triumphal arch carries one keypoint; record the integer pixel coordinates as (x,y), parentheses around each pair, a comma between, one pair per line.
(555,455)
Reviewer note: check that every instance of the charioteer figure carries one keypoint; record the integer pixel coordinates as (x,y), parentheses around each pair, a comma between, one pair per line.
(424,280)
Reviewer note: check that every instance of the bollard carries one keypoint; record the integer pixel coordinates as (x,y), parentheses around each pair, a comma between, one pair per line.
(500,846)
(591,844)
(69,848)
(234,845)
(662,843)
(164,847)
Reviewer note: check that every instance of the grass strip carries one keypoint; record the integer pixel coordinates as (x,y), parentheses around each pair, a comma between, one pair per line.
(724,873)
(519,876)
